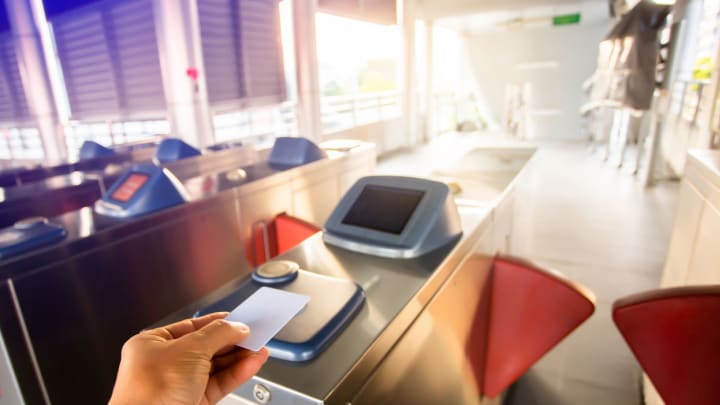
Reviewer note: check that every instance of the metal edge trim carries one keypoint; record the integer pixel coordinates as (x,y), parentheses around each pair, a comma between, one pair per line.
(28,343)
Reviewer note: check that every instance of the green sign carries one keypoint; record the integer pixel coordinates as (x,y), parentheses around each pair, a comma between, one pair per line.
(566,19)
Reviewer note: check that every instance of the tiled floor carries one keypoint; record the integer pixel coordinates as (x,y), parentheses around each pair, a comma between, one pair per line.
(599,227)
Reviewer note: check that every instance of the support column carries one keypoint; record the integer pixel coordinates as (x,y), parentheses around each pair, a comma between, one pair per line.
(428,85)
(183,72)
(306,61)
(34,76)
(408,92)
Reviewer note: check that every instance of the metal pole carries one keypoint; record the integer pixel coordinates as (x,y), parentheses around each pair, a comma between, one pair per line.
(406,12)
(306,60)
(429,104)
(183,72)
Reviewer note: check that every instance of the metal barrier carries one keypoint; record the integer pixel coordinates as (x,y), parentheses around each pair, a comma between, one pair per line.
(344,112)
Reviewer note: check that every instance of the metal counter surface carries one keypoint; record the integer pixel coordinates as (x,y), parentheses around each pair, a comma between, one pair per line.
(396,291)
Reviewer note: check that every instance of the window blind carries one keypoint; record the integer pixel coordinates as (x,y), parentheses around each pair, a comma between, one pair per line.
(242,51)
(13,104)
(109,58)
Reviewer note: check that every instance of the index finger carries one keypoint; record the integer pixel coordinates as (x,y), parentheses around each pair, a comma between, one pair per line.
(181,328)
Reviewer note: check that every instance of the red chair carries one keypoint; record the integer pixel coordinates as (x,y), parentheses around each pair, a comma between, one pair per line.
(675,335)
(283,233)
(530,310)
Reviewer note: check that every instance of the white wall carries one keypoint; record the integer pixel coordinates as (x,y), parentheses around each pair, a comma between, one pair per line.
(502,57)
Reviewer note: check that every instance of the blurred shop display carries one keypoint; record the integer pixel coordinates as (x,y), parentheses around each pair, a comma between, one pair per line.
(628,57)
(622,88)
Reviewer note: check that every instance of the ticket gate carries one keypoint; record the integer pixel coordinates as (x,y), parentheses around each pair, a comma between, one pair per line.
(51,197)
(67,308)
(93,157)
(59,194)
(404,242)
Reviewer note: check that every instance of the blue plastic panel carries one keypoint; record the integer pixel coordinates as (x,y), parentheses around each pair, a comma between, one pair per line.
(92,150)
(14,241)
(173,149)
(143,189)
(291,152)
(333,304)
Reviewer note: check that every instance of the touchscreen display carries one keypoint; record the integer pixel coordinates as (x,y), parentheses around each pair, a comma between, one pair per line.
(128,189)
(384,209)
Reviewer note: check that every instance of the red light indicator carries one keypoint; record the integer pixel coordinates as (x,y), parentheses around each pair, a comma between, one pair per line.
(192,73)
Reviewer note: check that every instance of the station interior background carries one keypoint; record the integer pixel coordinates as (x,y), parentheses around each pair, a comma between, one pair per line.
(598,204)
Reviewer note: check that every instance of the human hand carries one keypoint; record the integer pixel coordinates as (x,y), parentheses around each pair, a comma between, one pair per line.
(194,361)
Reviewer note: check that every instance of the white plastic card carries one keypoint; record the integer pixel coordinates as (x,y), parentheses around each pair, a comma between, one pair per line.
(266,312)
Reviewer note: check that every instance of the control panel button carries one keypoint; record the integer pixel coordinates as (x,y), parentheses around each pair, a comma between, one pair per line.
(276,272)
(236,175)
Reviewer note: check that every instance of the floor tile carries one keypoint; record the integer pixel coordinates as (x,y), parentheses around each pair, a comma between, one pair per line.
(602,229)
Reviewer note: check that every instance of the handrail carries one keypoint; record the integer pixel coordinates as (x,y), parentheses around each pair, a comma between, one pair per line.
(349,111)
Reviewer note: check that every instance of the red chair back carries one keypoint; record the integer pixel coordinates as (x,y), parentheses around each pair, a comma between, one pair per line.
(675,335)
(531,310)
(292,231)
(283,233)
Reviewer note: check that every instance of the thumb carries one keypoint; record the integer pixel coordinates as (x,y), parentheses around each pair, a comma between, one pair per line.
(219,334)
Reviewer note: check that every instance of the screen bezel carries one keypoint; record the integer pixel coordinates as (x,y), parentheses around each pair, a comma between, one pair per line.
(425,215)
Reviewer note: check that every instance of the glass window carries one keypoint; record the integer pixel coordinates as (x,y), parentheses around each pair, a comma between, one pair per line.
(359,71)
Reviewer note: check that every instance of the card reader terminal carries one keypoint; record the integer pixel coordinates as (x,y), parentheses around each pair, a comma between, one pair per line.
(27,235)
(333,304)
(143,189)
(290,152)
(173,149)
(393,216)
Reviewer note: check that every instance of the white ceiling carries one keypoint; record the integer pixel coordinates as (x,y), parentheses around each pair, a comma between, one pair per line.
(433,9)
(484,15)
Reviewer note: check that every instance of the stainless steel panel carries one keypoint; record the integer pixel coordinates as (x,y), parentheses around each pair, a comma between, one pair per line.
(439,349)
(213,162)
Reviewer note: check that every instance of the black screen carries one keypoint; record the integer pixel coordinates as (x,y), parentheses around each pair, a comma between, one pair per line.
(384,209)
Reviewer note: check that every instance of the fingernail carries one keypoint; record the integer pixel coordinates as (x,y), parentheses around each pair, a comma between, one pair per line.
(241,327)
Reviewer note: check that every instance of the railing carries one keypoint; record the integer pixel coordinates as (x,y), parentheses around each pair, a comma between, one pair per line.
(111,133)
(344,112)
(259,125)
(21,144)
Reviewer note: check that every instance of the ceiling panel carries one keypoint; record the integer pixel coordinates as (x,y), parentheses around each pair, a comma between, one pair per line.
(433,9)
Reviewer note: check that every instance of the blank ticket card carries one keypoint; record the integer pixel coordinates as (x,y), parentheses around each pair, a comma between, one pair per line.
(266,312)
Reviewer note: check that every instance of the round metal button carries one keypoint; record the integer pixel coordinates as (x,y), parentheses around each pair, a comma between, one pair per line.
(30,222)
(276,272)
(261,393)
(236,175)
